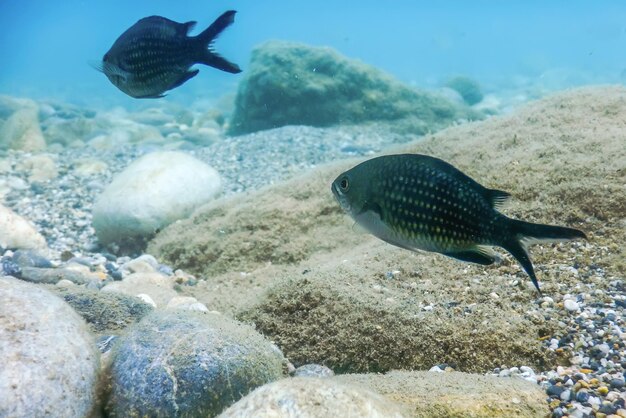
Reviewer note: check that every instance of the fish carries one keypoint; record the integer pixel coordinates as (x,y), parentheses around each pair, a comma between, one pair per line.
(419,202)
(155,55)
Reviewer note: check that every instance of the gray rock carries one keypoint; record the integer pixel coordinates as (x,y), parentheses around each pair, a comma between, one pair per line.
(187,364)
(53,276)
(313,370)
(105,312)
(294,84)
(50,362)
(151,193)
(29,258)
(313,397)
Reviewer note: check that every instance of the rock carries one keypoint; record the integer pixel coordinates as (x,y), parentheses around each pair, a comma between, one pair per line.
(54,275)
(454,394)
(29,258)
(50,362)
(10,105)
(187,364)
(295,84)
(313,370)
(468,88)
(17,233)
(105,312)
(40,168)
(76,129)
(160,288)
(313,397)
(571,305)
(21,131)
(352,325)
(186,303)
(151,193)
(88,166)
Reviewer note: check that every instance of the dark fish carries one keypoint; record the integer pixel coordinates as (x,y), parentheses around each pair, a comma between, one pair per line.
(155,54)
(419,202)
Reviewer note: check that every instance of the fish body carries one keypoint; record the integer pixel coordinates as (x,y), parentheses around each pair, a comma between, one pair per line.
(155,55)
(418,202)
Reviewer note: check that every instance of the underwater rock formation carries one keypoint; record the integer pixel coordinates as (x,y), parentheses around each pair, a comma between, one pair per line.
(151,193)
(17,233)
(313,397)
(21,131)
(188,364)
(50,363)
(468,88)
(294,84)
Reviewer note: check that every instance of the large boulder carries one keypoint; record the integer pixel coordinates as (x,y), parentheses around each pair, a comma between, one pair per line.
(151,193)
(17,233)
(187,364)
(313,397)
(462,395)
(21,131)
(50,362)
(294,84)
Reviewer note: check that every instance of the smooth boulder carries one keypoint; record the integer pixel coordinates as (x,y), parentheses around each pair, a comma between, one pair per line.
(288,83)
(313,397)
(50,362)
(151,193)
(185,363)
(17,233)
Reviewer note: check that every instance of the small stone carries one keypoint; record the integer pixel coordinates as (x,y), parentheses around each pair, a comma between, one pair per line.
(582,396)
(603,390)
(186,303)
(571,305)
(435,369)
(617,383)
(313,370)
(64,283)
(555,391)
(147,299)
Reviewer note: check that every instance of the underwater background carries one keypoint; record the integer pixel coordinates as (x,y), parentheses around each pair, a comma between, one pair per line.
(195,255)
(47,46)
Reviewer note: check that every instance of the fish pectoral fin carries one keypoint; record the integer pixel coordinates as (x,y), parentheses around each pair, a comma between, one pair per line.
(184,78)
(478,256)
(153,96)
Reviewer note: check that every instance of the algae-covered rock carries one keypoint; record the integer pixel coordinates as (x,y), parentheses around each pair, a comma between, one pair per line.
(460,395)
(187,364)
(49,360)
(105,312)
(294,84)
(21,131)
(281,225)
(468,88)
(350,320)
(313,397)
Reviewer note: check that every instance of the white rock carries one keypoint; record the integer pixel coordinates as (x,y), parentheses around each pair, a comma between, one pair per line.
(154,191)
(17,233)
(147,299)
(21,131)
(313,397)
(160,288)
(39,167)
(186,303)
(570,305)
(50,362)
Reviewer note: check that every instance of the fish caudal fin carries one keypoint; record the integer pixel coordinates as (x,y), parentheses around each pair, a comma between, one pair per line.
(207,56)
(525,234)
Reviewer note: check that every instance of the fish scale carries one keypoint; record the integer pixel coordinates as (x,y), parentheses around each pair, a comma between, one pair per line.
(418,202)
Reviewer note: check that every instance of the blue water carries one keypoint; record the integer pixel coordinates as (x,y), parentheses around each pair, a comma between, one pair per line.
(46,45)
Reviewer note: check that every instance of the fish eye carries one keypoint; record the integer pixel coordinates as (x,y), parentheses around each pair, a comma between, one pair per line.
(344,184)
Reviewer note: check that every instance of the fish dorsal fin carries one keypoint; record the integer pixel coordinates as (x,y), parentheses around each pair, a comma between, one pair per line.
(497,198)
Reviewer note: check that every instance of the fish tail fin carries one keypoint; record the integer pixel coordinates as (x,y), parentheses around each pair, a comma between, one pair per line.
(524,234)
(210,34)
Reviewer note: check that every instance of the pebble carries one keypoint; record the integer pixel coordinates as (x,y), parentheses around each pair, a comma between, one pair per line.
(570,305)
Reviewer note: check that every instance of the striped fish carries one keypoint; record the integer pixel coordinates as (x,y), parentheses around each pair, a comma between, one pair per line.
(419,202)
